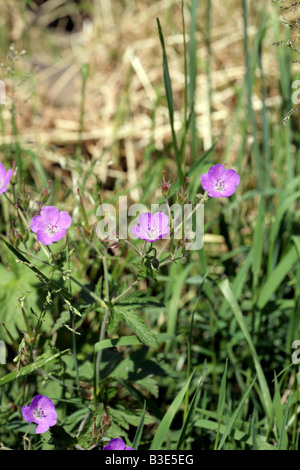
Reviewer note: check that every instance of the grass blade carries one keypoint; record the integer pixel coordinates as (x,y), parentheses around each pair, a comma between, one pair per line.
(169,93)
(166,422)
(230,297)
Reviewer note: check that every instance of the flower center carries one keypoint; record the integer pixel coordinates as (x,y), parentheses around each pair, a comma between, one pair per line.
(220,185)
(153,232)
(39,413)
(51,229)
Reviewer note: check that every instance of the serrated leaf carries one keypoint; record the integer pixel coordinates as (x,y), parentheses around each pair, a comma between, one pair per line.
(128,341)
(114,319)
(137,324)
(140,299)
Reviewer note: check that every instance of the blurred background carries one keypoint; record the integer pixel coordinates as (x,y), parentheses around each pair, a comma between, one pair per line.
(109,50)
(86,107)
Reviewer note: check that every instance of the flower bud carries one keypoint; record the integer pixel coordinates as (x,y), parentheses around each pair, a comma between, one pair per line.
(165,186)
(45,193)
(182,195)
(13,179)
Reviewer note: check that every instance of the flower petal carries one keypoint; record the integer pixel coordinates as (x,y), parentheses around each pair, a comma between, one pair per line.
(37,223)
(207,184)
(42,426)
(27,414)
(145,220)
(7,177)
(115,444)
(3,189)
(50,215)
(160,220)
(35,402)
(64,220)
(216,171)
(44,237)
(140,232)
(2,172)
(231,176)
(58,235)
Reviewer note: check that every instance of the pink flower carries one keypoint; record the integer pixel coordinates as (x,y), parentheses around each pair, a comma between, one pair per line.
(117,444)
(152,227)
(220,182)
(40,411)
(51,225)
(5,177)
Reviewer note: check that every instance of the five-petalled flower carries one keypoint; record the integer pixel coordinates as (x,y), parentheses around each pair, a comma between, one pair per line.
(5,177)
(40,411)
(152,227)
(51,225)
(219,182)
(117,444)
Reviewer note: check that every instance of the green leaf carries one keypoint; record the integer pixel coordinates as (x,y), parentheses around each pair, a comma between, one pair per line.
(128,341)
(137,324)
(165,424)
(139,431)
(60,437)
(49,282)
(258,239)
(230,297)
(139,299)
(237,435)
(193,404)
(41,362)
(277,276)
(222,394)
(234,416)
(169,93)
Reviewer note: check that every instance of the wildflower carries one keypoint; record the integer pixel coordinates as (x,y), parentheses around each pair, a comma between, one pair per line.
(117,444)
(40,411)
(51,225)
(152,227)
(5,177)
(220,182)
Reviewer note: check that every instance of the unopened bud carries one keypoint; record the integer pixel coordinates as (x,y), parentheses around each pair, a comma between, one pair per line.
(13,179)
(45,193)
(165,185)
(182,195)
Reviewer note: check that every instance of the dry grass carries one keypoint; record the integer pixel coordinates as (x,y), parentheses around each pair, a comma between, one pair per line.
(120,43)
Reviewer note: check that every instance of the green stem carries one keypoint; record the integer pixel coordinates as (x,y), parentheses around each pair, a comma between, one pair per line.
(103,327)
(72,322)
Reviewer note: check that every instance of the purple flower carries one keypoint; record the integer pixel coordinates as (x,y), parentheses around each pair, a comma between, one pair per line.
(51,225)
(40,411)
(152,227)
(220,182)
(117,444)
(5,177)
